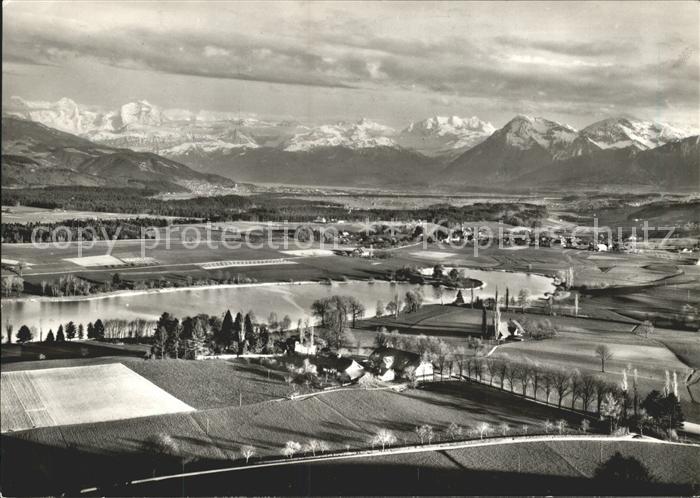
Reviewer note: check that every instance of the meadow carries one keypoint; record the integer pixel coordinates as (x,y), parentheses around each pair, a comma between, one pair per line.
(118,450)
(48,397)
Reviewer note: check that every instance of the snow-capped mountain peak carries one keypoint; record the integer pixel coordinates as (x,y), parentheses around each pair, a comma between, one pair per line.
(140,112)
(623,132)
(362,134)
(524,132)
(445,135)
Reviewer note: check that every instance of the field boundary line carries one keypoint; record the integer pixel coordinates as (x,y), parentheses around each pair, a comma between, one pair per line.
(403,450)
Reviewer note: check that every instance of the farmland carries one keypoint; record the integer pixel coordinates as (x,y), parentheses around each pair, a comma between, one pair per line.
(213,437)
(544,467)
(47,397)
(572,347)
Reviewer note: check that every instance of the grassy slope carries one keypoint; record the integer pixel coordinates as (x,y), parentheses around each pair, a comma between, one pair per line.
(214,437)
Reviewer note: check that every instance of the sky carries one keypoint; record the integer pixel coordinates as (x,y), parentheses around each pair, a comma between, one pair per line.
(394,62)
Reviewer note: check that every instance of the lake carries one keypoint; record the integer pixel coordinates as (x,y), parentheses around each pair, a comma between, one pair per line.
(284,299)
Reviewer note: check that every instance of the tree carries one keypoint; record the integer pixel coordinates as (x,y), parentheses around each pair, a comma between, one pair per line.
(547,425)
(438,272)
(285,323)
(459,298)
(484,429)
(414,300)
(99,332)
(337,333)
(604,354)
(380,309)
(645,329)
(357,309)
(160,341)
(320,308)
(90,330)
(49,337)
(664,410)
(585,425)
(8,329)
(247,451)
(504,427)
(24,334)
(291,448)
(425,432)
(273,321)
(611,409)
(561,426)
(226,337)
(81,332)
(586,389)
(238,332)
(312,446)
(59,334)
(561,381)
(70,330)
(454,431)
(384,437)
(523,298)
(251,336)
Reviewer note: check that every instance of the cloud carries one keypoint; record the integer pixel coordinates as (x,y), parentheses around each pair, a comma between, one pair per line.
(570,47)
(392,49)
(212,51)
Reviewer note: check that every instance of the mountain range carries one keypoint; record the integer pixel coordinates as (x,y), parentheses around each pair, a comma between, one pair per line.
(526,152)
(34,154)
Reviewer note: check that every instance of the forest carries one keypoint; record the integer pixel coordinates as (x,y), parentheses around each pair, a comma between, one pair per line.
(263,207)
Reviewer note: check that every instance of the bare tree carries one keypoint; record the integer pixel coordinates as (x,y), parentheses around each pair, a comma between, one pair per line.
(561,426)
(586,390)
(511,374)
(454,431)
(312,446)
(548,425)
(645,329)
(562,384)
(384,437)
(504,429)
(425,432)
(604,354)
(247,451)
(491,368)
(523,299)
(525,428)
(503,370)
(547,385)
(585,425)
(291,448)
(611,409)
(484,429)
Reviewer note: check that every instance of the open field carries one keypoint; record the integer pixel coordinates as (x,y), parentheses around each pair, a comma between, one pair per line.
(200,384)
(506,467)
(116,450)
(78,395)
(66,350)
(25,214)
(572,348)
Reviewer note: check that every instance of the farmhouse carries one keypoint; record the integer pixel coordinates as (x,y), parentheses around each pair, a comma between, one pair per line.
(390,363)
(338,365)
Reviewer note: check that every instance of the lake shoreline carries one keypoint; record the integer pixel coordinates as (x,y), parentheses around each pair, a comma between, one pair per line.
(166,290)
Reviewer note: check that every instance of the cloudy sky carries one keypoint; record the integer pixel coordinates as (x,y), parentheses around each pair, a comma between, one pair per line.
(393,62)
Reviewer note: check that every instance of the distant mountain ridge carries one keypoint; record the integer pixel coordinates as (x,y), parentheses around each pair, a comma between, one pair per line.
(34,154)
(438,150)
(534,151)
